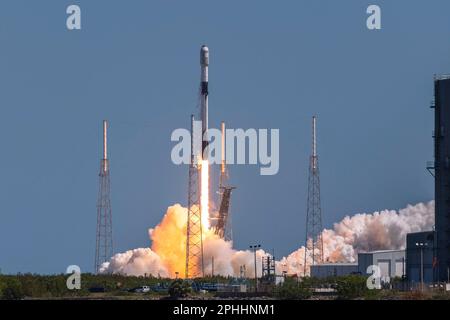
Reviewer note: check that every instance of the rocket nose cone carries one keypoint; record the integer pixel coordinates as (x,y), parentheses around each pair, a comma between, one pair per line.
(204,55)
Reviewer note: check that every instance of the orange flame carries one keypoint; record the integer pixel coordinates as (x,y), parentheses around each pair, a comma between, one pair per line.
(169,236)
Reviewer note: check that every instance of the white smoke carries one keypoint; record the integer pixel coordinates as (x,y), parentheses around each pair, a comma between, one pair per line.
(228,261)
(382,230)
(139,262)
(364,232)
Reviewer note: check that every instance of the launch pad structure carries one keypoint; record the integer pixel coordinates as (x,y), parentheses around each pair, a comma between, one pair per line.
(223,227)
(194,233)
(198,195)
(268,269)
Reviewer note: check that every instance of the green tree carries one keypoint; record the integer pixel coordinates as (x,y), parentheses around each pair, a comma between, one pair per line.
(292,289)
(12,289)
(179,289)
(351,287)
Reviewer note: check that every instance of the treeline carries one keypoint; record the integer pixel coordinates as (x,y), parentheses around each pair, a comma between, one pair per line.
(343,287)
(354,287)
(55,286)
(22,286)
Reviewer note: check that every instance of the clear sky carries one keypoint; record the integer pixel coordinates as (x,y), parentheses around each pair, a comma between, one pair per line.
(273,65)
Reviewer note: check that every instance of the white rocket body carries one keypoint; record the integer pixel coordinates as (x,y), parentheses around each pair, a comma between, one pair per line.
(204,63)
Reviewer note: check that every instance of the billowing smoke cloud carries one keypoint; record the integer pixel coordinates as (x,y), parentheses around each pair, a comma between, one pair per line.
(142,261)
(362,232)
(167,254)
(382,230)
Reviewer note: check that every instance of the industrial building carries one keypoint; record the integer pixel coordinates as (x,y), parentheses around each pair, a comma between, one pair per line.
(392,263)
(441,168)
(325,270)
(420,253)
(428,252)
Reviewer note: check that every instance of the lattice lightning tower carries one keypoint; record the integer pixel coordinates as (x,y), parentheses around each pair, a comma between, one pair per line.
(104,241)
(314,241)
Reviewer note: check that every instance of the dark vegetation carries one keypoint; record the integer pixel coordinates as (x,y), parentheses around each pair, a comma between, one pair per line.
(179,289)
(293,290)
(54,286)
(32,286)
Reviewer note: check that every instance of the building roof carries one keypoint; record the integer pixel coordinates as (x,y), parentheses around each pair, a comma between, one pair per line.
(382,251)
(338,264)
(420,232)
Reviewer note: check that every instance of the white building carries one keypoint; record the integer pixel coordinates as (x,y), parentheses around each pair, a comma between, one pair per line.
(392,263)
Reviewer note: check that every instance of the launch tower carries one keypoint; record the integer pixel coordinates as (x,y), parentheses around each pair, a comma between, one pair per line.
(223,226)
(196,203)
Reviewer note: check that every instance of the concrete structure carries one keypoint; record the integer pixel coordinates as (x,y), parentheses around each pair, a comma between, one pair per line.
(420,253)
(325,270)
(442,175)
(392,263)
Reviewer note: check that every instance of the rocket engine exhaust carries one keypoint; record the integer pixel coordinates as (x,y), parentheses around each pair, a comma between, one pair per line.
(362,232)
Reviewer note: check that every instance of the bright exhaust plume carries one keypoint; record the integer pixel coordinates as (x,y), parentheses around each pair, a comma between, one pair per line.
(381,230)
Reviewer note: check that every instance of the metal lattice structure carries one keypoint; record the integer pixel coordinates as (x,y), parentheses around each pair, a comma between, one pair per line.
(104,241)
(194,238)
(314,241)
(268,269)
(223,226)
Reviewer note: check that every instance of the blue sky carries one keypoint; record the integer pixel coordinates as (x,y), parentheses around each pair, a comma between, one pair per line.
(273,65)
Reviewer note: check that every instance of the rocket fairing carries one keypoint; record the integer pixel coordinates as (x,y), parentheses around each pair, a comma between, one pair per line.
(204,63)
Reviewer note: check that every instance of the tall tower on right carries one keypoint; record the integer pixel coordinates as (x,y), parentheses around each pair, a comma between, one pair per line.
(442,174)
(314,241)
